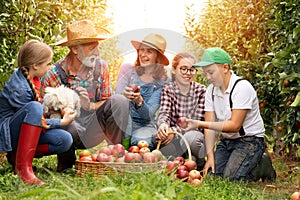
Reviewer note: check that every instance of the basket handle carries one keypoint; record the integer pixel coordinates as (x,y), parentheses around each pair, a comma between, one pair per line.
(184,140)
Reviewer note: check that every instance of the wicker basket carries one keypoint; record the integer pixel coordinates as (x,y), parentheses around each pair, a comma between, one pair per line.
(98,169)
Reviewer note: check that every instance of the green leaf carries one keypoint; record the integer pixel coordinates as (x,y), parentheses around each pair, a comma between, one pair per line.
(296,101)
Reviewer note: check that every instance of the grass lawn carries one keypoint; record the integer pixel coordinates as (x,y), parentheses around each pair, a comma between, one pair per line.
(156,185)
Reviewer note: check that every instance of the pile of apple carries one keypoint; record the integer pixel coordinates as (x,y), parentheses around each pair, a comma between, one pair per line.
(117,153)
(184,169)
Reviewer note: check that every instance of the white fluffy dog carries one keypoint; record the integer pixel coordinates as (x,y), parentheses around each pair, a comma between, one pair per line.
(57,99)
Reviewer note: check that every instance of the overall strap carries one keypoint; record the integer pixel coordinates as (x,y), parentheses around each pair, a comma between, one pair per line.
(62,74)
(241,131)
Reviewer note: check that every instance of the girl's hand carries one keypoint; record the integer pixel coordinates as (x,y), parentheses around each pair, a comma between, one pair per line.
(162,132)
(68,117)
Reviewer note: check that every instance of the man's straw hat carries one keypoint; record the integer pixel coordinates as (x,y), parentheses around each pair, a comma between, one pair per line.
(154,41)
(82,32)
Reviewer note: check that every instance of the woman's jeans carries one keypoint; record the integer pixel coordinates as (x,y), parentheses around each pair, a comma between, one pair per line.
(59,140)
(235,158)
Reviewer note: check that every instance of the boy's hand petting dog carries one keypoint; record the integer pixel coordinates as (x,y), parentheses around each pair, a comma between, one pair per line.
(84,98)
(68,117)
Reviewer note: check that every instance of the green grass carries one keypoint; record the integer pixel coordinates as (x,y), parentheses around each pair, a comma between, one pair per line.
(135,186)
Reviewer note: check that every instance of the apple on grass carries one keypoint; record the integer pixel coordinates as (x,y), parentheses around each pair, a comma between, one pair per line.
(196,182)
(180,160)
(143,143)
(194,174)
(190,164)
(171,167)
(182,174)
(134,149)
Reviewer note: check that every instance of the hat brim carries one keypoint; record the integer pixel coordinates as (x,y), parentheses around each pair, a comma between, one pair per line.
(66,42)
(202,64)
(137,45)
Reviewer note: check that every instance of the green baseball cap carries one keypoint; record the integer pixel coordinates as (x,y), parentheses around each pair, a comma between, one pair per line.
(213,55)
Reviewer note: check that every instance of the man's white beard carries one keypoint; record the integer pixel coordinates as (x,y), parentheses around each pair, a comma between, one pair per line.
(89,61)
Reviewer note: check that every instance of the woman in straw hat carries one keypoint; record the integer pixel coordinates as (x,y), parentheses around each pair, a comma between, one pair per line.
(101,115)
(149,75)
(24,132)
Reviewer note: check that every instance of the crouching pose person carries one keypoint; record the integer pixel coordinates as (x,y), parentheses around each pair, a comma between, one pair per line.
(182,98)
(231,107)
(24,132)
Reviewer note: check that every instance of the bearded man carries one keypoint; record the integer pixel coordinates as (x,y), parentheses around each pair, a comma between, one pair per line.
(102,115)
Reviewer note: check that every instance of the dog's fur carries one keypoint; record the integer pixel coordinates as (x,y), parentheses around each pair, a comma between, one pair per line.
(57,99)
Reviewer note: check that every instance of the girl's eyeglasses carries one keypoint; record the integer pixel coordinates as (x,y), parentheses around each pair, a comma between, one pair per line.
(185,70)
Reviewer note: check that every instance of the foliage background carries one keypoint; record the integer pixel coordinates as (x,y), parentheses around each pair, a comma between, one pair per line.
(262,36)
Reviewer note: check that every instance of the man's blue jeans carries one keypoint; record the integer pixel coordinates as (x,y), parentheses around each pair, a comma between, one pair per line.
(235,158)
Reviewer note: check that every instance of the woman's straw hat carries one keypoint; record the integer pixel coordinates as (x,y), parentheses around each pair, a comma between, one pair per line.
(154,41)
(82,32)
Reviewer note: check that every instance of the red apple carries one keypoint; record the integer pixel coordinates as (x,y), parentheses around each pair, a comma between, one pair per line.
(171,167)
(180,160)
(138,157)
(118,150)
(182,122)
(129,157)
(134,88)
(144,150)
(181,167)
(143,143)
(94,156)
(182,174)
(86,159)
(105,150)
(102,157)
(134,149)
(194,174)
(158,154)
(149,157)
(84,152)
(190,164)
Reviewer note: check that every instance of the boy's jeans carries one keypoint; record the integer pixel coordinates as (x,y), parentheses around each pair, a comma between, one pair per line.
(235,158)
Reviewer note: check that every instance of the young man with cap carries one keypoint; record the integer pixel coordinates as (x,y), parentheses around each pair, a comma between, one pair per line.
(102,115)
(149,74)
(231,107)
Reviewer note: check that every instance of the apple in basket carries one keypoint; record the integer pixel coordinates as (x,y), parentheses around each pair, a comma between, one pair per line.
(149,157)
(134,149)
(118,150)
(105,150)
(144,150)
(86,159)
(143,143)
(102,157)
(84,153)
(158,154)
(131,157)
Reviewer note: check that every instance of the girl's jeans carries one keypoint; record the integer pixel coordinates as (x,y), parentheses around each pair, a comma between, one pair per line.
(235,158)
(59,140)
